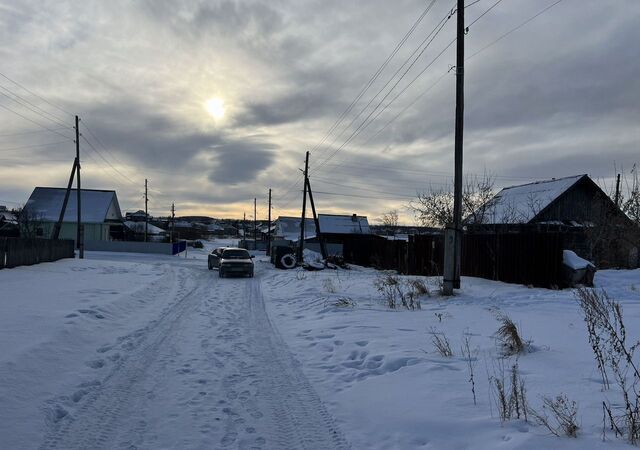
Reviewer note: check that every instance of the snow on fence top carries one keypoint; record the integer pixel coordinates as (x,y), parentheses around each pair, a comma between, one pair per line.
(520,204)
(98,206)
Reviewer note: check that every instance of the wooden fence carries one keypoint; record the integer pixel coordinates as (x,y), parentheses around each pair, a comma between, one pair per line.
(527,257)
(24,252)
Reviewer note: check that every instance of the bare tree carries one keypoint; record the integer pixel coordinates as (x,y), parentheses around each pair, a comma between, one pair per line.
(435,207)
(29,222)
(390,221)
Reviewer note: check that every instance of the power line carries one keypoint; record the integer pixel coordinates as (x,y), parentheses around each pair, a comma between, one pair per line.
(33,132)
(34,145)
(429,39)
(33,121)
(31,106)
(375,75)
(108,162)
(33,93)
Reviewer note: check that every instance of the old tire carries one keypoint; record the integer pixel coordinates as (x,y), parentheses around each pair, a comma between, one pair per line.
(288,261)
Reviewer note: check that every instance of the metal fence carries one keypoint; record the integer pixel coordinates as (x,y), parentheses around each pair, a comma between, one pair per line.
(24,252)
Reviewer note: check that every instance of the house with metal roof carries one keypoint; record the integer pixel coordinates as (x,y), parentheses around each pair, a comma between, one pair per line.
(101,214)
(576,203)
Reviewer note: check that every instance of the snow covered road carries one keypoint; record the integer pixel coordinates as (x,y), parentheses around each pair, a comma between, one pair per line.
(203,369)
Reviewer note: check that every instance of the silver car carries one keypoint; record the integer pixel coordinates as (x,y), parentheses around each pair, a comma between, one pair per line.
(235,261)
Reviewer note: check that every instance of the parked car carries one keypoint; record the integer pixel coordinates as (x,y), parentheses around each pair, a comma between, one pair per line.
(214,257)
(235,261)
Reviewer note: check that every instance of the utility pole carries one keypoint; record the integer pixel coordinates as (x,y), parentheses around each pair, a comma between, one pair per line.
(299,256)
(323,247)
(244,226)
(58,225)
(269,227)
(173,219)
(146,214)
(453,238)
(618,191)
(255,225)
(80,228)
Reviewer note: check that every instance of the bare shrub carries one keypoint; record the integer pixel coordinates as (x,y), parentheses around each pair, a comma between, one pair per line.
(511,399)
(420,287)
(614,356)
(329,286)
(558,415)
(344,302)
(509,336)
(470,357)
(396,292)
(441,344)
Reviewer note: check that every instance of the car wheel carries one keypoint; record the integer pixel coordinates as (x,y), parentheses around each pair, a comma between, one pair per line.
(210,268)
(221,274)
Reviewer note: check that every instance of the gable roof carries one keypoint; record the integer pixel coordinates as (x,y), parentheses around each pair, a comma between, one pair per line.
(343,224)
(522,203)
(98,206)
(289,227)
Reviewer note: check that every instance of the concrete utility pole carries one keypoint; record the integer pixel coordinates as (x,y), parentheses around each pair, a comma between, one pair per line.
(300,256)
(255,225)
(618,191)
(269,227)
(453,238)
(80,228)
(146,214)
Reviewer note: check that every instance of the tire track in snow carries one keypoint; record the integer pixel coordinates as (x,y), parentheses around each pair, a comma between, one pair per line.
(212,360)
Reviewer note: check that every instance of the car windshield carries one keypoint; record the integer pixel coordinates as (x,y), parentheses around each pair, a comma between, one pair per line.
(235,254)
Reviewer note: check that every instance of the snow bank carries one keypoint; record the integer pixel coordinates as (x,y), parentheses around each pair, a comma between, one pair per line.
(570,259)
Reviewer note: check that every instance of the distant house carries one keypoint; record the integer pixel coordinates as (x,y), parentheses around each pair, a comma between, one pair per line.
(610,237)
(154,233)
(138,216)
(101,215)
(8,223)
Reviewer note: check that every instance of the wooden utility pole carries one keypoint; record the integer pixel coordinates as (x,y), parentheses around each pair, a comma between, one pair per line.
(244,226)
(269,227)
(173,220)
(255,225)
(58,225)
(618,191)
(300,256)
(323,247)
(453,248)
(146,213)
(80,228)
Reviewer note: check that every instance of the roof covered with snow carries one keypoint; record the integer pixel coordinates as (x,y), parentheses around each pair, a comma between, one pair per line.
(343,224)
(289,227)
(138,227)
(521,204)
(98,206)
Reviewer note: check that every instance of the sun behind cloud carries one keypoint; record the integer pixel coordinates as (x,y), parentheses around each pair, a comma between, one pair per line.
(215,107)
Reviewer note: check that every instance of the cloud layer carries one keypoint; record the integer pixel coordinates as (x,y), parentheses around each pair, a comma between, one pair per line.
(559,96)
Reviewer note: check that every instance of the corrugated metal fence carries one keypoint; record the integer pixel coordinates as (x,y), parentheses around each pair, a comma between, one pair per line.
(24,252)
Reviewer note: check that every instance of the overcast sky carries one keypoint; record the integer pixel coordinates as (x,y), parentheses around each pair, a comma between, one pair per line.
(559,96)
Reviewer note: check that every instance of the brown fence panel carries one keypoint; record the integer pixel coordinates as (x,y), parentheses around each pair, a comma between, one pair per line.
(531,258)
(24,252)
